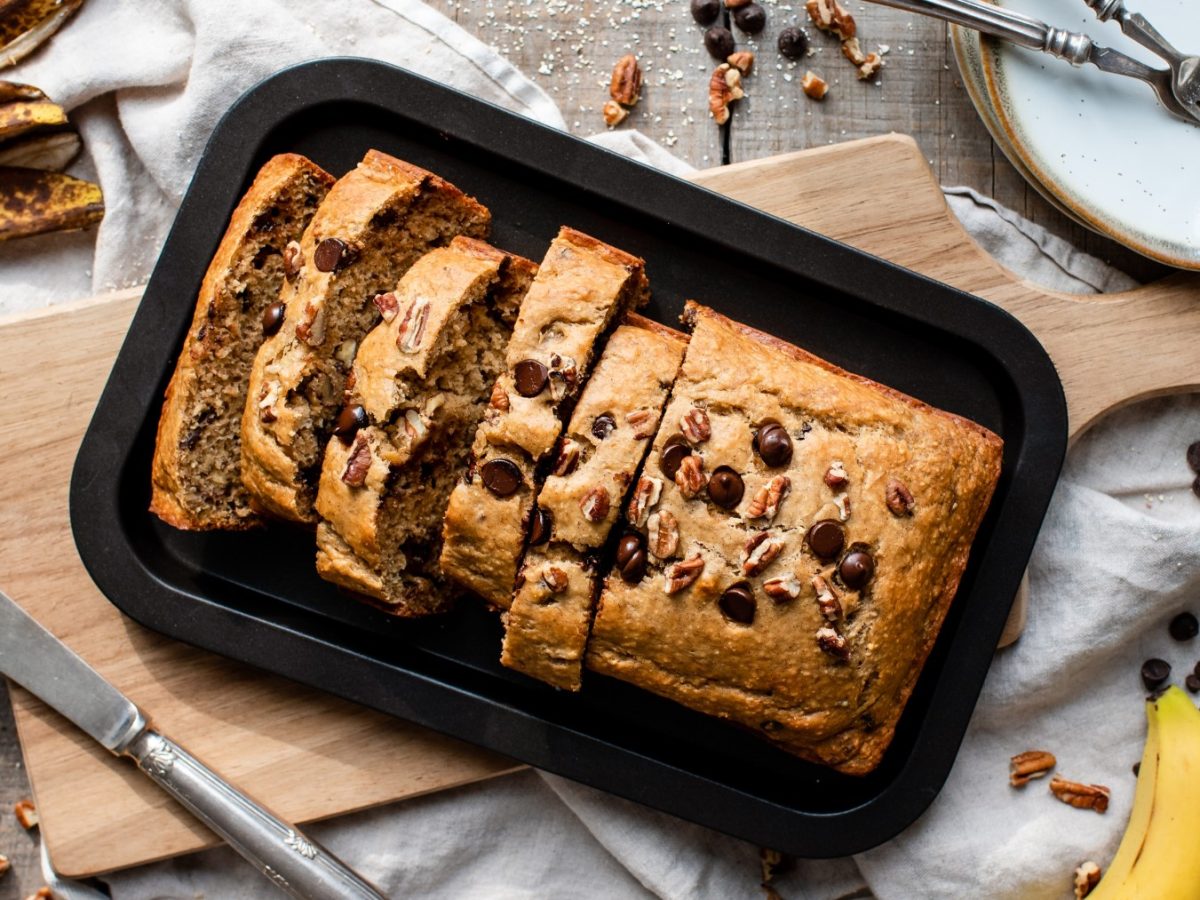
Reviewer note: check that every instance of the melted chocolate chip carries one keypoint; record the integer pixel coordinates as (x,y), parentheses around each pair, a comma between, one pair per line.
(725,487)
(631,557)
(1184,627)
(751,18)
(331,254)
(738,604)
(272,318)
(501,477)
(857,569)
(826,538)
(603,425)
(773,444)
(540,525)
(349,420)
(530,377)
(1155,672)
(674,451)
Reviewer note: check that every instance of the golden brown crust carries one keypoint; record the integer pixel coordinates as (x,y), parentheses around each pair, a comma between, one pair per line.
(778,670)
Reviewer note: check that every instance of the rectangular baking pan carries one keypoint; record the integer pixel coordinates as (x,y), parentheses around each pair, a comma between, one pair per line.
(255,597)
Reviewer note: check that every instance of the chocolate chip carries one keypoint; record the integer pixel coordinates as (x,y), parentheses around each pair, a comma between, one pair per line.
(273,317)
(751,18)
(773,444)
(541,523)
(1137,767)
(674,451)
(1192,683)
(603,425)
(531,377)
(349,420)
(1196,670)
(501,477)
(725,487)
(631,557)
(793,42)
(1193,457)
(1155,672)
(1196,486)
(826,538)
(705,12)
(856,569)
(1184,627)
(738,603)
(331,254)
(718,42)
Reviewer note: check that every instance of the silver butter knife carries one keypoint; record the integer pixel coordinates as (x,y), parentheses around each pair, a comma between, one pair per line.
(39,662)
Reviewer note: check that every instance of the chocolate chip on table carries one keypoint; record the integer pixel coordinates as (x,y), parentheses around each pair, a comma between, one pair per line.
(705,12)
(1196,670)
(603,425)
(631,557)
(273,317)
(501,477)
(738,604)
(826,538)
(674,451)
(1193,457)
(725,487)
(1196,486)
(718,42)
(1184,627)
(1137,768)
(349,420)
(750,18)
(541,523)
(1192,682)
(773,444)
(793,42)
(857,569)
(530,377)
(1155,672)
(330,254)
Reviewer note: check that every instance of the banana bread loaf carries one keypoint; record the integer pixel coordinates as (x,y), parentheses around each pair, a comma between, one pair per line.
(581,287)
(195,482)
(376,222)
(417,389)
(610,431)
(812,530)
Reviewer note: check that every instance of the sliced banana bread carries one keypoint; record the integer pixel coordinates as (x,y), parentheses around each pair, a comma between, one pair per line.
(375,223)
(609,434)
(419,385)
(582,286)
(195,481)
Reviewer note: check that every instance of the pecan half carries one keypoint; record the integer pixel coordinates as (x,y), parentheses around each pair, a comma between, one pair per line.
(760,551)
(832,643)
(690,477)
(614,113)
(899,498)
(1029,765)
(499,398)
(643,422)
(827,599)
(1087,876)
(645,498)
(626,84)
(387,305)
(293,260)
(26,813)
(814,85)
(555,579)
(567,459)
(828,15)
(412,326)
(782,589)
(765,502)
(595,504)
(359,462)
(724,87)
(836,476)
(680,575)
(663,534)
(695,425)
(1081,796)
(743,61)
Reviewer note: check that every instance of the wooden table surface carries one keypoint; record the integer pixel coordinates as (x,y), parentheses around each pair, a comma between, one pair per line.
(569,46)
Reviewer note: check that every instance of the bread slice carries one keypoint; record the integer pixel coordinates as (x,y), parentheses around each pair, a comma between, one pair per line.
(419,385)
(194,480)
(819,525)
(375,223)
(582,286)
(611,430)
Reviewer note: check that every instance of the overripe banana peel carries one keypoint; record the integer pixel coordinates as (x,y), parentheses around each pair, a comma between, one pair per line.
(1158,858)
(34,132)
(35,202)
(25,24)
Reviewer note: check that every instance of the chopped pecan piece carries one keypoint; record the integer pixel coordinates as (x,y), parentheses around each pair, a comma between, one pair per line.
(626,84)
(26,814)
(499,398)
(267,398)
(1087,876)
(724,87)
(827,599)
(870,67)
(743,61)
(782,589)
(680,575)
(1029,765)
(555,579)
(814,85)
(1081,796)
(828,15)
(293,260)
(414,427)
(359,462)
(614,113)
(595,504)
(842,502)
(311,327)
(695,426)
(836,476)
(5,865)
(760,551)
(564,374)
(899,498)
(567,459)
(690,477)
(412,326)
(645,498)
(832,643)
(852,50)
(663,533)
(643,422)
(765,503)
(387,305)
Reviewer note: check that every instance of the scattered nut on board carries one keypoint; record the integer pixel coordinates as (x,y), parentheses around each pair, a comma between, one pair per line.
(743,61)
(42,893)
(5,865)
(724,87)
(814,85)
(26,814)
(1087,876)
(625,88)
(1029,765)
(614,113)
(1081,796)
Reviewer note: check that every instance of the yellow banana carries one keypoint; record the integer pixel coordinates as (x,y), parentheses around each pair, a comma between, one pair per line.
(1158,858)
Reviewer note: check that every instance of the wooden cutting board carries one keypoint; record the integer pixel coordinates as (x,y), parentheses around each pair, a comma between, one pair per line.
(311,756)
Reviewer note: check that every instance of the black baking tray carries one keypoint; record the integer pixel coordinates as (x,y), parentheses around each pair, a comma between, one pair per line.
(256,597)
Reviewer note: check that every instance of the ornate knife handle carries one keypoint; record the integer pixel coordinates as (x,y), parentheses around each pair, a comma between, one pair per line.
(296,864)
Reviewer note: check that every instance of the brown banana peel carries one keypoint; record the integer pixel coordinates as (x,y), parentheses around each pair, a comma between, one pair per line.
(35,202)
(26,24)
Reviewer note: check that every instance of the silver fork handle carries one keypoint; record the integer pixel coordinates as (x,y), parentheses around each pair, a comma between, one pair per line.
(1136,27)
(295,863)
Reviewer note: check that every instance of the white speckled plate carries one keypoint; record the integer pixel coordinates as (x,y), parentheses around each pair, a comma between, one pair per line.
(1098,146)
